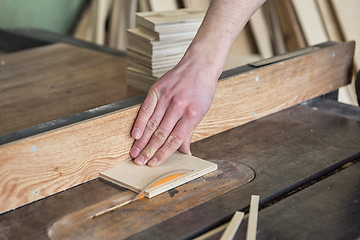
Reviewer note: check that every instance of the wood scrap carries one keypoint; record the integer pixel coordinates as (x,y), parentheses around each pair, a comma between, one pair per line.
(135,178)
(253,217)
(233,226)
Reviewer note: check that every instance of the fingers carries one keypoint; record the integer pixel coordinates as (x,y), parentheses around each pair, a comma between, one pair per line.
(180,136)
(155,137)
(145,113)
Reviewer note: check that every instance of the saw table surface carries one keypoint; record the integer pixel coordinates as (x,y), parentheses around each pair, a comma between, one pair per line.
(286,150)
(301,161)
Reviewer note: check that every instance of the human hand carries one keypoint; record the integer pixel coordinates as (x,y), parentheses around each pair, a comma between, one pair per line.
(173,108)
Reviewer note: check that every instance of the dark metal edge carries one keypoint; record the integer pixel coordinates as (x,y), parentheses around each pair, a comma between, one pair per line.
(62,122)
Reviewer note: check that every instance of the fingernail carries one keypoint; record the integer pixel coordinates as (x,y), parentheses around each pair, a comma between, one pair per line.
(136,133)
(135,152)
(153,162)
(140,160)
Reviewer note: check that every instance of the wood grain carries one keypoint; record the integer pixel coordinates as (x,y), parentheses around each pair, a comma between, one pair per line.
(77,153)
(56,81)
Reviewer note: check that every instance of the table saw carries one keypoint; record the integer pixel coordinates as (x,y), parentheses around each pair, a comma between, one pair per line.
(274,129)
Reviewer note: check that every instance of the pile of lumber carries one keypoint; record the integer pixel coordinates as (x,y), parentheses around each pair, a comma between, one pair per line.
(277,27)
(158,42)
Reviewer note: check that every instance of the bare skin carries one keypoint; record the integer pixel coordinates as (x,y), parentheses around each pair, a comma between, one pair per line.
(176,104)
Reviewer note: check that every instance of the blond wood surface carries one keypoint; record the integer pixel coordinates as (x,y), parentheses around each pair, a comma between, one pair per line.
(346,11)
(310,21)
(163,5)
(72,155)
(136,178)
(347,93)
(233,226)
(56,81)
(261,33)
(167,20)
(253,217)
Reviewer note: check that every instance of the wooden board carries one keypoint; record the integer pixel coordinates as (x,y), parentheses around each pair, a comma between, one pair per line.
(71,155)
(162,5)
(52,82)
(310,21)
(346,93)
(346,11)
(136,178)
(167,20)
(233,226)
(293,36)
(261,33)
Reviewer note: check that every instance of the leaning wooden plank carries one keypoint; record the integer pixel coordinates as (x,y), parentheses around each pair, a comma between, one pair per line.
(44,164)
(346,12)
(346,93)
(310,21)
(293,36)
(261,33)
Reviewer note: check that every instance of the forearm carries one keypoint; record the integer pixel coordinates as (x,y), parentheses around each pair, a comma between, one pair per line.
(221,26)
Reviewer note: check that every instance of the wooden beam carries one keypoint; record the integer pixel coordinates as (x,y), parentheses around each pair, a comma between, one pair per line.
(44,164)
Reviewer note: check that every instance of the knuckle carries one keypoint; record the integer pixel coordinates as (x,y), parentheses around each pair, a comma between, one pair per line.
(145,108)
(151,125)
(178,103)
(159,136)
(173,141)
(148,152)
(193,112)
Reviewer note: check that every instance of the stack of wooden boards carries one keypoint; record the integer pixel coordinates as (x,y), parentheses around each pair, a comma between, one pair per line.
(158,42)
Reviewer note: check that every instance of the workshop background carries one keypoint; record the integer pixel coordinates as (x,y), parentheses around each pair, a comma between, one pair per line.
(279,26)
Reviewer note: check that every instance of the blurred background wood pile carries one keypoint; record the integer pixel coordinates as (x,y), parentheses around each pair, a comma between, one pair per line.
(279,26)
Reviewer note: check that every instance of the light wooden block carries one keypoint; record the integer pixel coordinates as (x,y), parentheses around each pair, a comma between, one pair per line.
(136,178)
(167,20)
